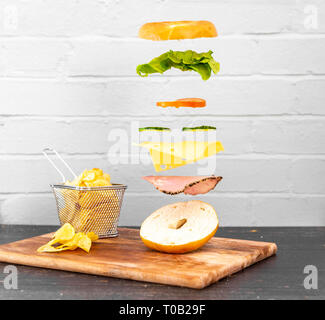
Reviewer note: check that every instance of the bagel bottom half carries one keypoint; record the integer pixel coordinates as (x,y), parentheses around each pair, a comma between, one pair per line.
(180,227)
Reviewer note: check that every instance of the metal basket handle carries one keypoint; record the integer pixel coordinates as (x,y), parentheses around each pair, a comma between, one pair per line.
(45,152)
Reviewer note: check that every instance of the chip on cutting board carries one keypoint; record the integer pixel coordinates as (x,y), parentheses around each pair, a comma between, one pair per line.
(69,240)
(65,233)
(180,227)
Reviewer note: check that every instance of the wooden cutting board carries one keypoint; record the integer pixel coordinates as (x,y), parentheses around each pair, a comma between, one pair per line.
(126,257)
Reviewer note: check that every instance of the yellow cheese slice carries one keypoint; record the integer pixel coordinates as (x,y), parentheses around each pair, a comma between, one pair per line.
(169,155)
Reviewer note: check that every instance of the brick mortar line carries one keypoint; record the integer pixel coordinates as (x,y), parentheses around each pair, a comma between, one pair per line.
(103,156)
(229,194)
(126,117)
(95,37)
(102,79)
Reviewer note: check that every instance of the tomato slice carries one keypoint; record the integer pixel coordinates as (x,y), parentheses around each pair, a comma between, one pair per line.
(186,102)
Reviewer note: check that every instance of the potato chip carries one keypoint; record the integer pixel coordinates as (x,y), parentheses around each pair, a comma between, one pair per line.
(99,172)
(88,176)
(66,232)
(97,183)
(91,199)
(49,248)
(68,213)
(92,236)
(107,177)
(80,220)
(84,209)
(84,243)
(63,237)
(73,243)
(92,219)
(75,182)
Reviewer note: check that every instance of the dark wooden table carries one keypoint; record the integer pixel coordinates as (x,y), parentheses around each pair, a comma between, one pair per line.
(279,277)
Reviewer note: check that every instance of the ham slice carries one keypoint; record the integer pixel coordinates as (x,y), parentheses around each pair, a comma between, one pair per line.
(178,184)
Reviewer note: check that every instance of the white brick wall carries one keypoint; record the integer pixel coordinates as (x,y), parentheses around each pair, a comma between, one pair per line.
(67,78)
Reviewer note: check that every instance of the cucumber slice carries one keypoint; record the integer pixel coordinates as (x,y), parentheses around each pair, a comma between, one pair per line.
(199,128)
(154,129)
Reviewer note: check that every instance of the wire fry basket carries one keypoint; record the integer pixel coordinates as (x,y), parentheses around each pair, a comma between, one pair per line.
(88,209)
(95,209)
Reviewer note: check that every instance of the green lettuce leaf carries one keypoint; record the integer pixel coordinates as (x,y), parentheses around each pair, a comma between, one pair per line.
(202,63)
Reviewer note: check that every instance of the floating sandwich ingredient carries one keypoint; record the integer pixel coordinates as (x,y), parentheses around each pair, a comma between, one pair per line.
(169,155)
(154,129)
(200,128)
(180,227)
(188,185)
(203,63)
(176,30)
(186,102)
